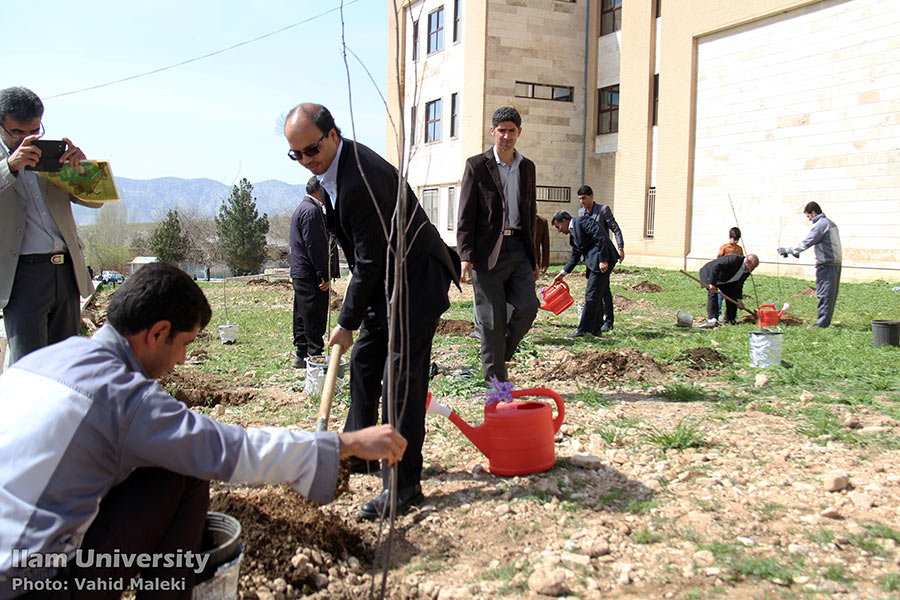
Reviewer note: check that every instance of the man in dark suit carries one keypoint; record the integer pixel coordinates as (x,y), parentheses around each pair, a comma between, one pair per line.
(362,193)
(728,274)
(590,241)
(603,215)
(310,274)
(495,239)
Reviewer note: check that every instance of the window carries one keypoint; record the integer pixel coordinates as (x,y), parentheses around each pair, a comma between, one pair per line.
(608,114)
(649,212)
(433,121)
(560,93)
(610,16)
(549,193)
(658,8)
(436,30)
(430,202)
(456,23)
(452,208)
(656,99)
(412,126)
(415,41)
(454,115)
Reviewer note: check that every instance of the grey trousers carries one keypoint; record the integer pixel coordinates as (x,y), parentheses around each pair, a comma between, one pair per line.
(510,281)
(43,307)
(828,277)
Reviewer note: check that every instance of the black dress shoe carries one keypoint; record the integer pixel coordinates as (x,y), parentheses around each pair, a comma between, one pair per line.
(406,500)
(358,465)
(576,334)
(606,327)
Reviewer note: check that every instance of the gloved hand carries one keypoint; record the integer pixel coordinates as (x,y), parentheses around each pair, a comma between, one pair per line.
(784,252)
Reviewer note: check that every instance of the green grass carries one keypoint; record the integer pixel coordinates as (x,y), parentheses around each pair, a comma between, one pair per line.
(681,392)
(645,536)
(890,582)
(590,396)
(686,434)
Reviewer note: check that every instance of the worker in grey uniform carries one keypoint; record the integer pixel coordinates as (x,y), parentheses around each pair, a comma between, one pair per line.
(824,236)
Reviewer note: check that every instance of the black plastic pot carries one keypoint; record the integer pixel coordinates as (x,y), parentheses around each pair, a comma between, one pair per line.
(221,541)
(886,333)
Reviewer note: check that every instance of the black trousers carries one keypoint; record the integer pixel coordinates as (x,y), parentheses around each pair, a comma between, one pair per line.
(511,281)
(735,291)
(154,511)
(597,288)
(310,316)
(43,307)
(368,384)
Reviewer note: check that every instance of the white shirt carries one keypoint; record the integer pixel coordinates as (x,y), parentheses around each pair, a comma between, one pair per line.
(328,179)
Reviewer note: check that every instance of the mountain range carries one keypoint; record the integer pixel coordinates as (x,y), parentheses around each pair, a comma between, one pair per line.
(148,200)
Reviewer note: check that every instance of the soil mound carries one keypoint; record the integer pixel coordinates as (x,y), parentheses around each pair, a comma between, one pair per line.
(278,283)
(786,319)
(195,389)
(703,357)
(455,327)
(622,304)
(645,286)
(807,292)
(594,366)
(336,301)
(275,523)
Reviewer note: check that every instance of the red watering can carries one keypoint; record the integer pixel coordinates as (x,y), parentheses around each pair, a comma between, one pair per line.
(767,316)
(517,437)
(557,298)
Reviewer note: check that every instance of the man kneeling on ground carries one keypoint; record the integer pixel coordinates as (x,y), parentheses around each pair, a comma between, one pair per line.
(728,274)
(96,456)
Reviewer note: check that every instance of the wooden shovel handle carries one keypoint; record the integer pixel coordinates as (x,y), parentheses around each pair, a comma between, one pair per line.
(334,364)
(719,292)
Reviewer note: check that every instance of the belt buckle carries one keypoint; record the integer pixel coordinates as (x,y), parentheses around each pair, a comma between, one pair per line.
(58,259)
(507,233)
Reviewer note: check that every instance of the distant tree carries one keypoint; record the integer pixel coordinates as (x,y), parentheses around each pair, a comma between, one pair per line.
(241,232)
(107,247)
(169,243)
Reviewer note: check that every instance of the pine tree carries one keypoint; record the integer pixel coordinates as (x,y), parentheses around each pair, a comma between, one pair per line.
(241,231)
(168,242)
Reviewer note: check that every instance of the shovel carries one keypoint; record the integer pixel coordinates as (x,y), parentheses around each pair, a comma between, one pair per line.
(752,312)
(334,364)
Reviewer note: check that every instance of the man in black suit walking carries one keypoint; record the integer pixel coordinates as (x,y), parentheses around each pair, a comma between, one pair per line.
(362,193)
(590,241)
(495,238)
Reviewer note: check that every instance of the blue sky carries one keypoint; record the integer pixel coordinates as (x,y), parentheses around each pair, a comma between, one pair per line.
(215,118)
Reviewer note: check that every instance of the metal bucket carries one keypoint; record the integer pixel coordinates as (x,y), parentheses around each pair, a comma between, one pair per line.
(886,333)
(221,541)
(228,333)
(683,319)
(316,368)
(765,348)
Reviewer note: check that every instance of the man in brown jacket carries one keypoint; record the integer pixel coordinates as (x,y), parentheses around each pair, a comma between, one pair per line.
(495,240)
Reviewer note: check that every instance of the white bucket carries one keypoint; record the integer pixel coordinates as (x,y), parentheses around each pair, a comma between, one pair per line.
(765,348)
(228,333)
(224,583)
(316,368)
(2,348)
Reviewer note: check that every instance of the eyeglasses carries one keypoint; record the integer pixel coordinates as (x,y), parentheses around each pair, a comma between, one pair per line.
(18,133)
(310,152)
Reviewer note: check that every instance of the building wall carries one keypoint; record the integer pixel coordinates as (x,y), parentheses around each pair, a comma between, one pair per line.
(775,102)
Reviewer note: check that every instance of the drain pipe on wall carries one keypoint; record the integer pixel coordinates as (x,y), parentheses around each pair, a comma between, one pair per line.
(587,47)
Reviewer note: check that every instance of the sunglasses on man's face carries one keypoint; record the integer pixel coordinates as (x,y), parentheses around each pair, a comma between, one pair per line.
(310,152)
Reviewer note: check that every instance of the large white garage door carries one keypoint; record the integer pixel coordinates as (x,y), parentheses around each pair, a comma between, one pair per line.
(800,107)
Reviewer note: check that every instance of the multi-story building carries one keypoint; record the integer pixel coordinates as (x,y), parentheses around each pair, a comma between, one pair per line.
(686,117)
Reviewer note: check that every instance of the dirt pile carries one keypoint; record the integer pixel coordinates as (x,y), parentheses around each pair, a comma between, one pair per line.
(622,304)
(646,286)
(195,389)
(336,301)
(455,327)
(786,319)
(596,366)
(703,358)
(281,284)
(807,292)
(289,541)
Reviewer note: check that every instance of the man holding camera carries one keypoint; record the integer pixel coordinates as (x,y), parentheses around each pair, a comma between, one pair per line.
(42,270)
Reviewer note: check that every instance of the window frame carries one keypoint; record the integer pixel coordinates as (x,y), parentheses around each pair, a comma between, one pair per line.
(544,91)
(412,125)
(434,203)
(452,207)
(436,35)
(456,20)
(553,193)
(415,41)
(454,115)
(612,111)
(432,121)
(610,16)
